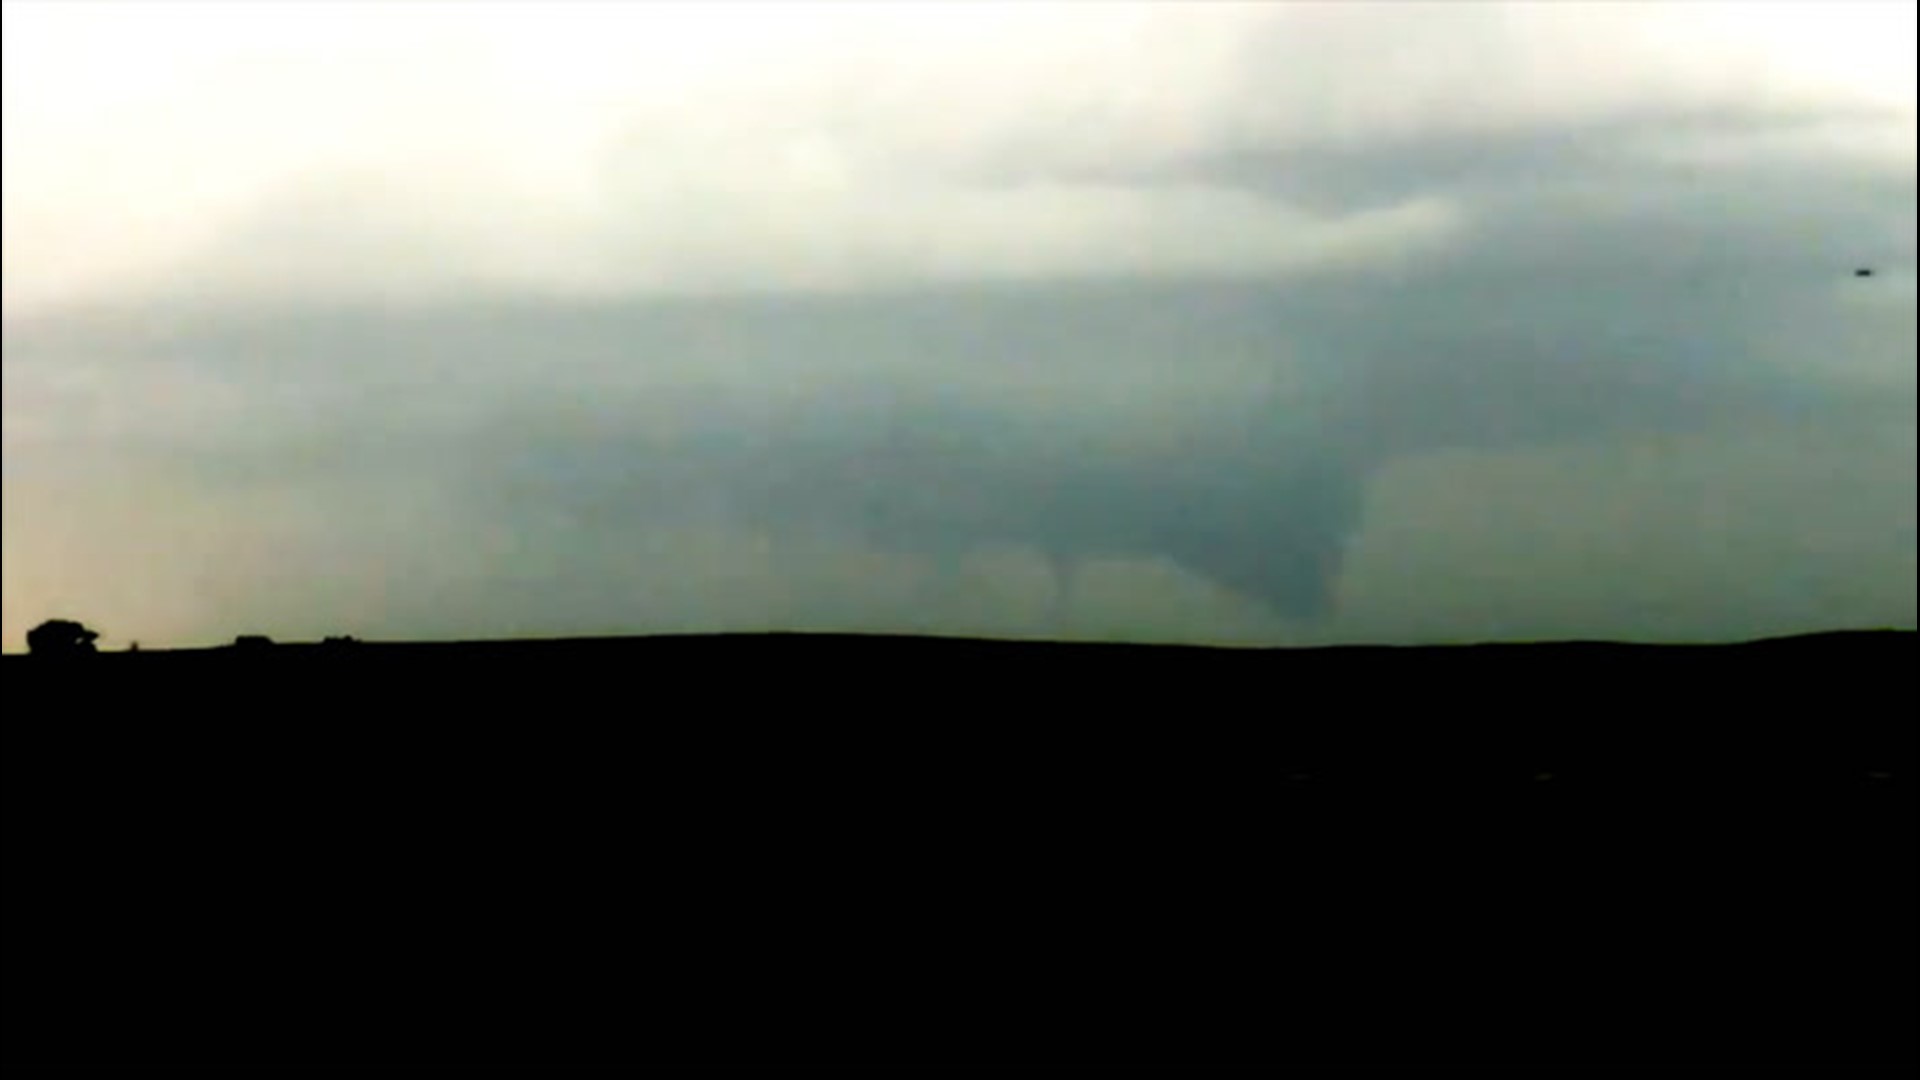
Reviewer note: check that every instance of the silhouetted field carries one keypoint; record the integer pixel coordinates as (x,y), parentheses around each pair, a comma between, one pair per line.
(845,850)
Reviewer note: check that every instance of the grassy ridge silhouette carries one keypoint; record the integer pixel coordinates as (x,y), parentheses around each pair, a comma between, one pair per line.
(852,851)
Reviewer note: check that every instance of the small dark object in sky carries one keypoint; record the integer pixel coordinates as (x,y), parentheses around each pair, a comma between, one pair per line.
(1865,271)
(60,637)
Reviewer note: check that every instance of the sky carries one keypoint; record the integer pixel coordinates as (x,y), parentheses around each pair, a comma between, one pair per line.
(1255,324)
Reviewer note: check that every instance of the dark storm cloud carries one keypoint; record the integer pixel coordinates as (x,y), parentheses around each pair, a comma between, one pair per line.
(920,423)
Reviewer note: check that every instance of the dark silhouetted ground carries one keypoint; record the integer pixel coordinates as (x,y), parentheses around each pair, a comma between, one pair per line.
(843,850)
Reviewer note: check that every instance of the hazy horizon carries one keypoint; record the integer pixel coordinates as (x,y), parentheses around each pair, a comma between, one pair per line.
(1259,323)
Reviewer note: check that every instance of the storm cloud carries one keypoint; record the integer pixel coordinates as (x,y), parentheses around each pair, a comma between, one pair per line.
(1162,322)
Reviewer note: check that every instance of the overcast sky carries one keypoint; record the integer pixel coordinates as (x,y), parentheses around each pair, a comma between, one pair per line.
(1262,323)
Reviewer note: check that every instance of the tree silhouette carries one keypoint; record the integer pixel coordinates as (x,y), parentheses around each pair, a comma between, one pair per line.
(60,637)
